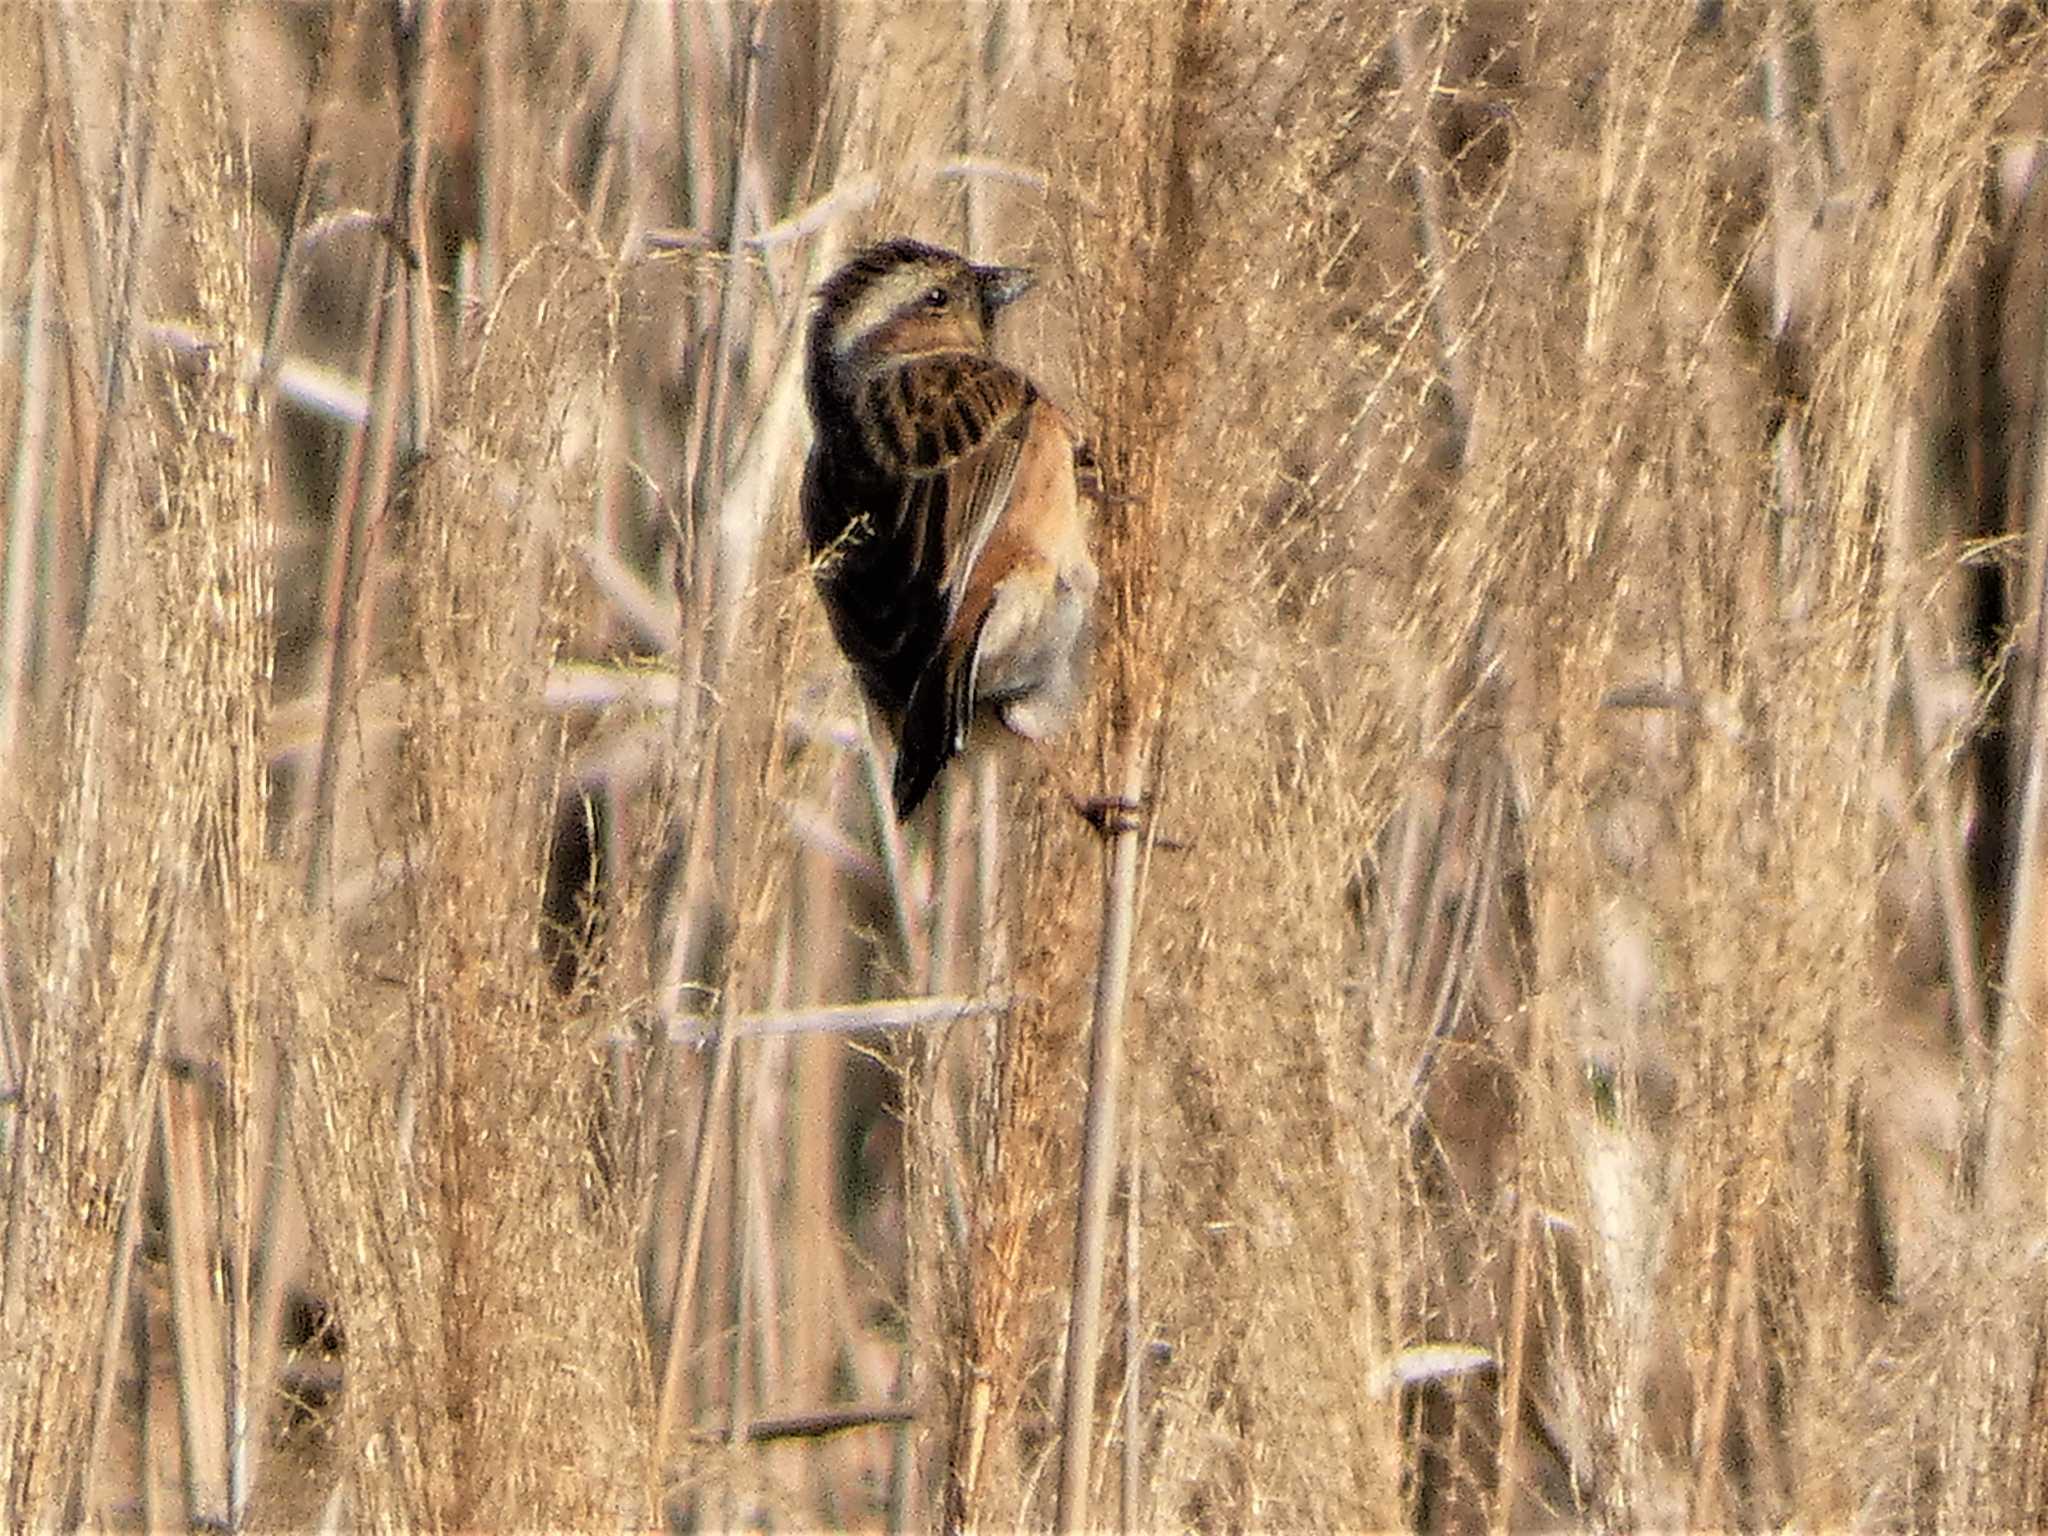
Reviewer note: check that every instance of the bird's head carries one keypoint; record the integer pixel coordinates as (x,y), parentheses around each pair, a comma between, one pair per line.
(904,298)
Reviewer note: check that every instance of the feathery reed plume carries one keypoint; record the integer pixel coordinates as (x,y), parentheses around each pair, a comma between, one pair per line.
(1547,1012)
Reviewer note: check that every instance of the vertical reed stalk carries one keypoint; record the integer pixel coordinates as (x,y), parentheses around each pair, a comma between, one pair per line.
(1099,1141)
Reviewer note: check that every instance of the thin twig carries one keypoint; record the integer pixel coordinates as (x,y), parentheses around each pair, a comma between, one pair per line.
(826,1421)
(888,1014)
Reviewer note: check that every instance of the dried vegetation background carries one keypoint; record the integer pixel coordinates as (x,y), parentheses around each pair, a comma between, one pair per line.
(1562,1042)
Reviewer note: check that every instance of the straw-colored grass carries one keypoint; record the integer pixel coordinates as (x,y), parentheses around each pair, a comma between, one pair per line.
(1542,1031)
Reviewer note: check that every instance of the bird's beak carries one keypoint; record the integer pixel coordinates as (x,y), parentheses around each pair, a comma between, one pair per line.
(1001,286)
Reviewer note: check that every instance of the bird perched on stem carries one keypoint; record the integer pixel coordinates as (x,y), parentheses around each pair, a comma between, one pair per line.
(943,504)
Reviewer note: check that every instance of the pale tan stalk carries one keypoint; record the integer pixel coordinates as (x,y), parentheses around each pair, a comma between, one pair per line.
(1468,934)
(197,1318)
(2013,1138)
(1412,909)
(1099,1142)
(348,602)
(697,1188)
(133,165)
(416,39)
(25,519)
(1129,1505)
(1737,1301)
(741,1278)
(1958,923)
(887,1014)
(278,1202)
(145,1130)
(1417,80)
(1507,1466)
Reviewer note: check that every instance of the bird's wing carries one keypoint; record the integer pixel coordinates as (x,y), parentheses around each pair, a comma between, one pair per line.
(926,413)
(1022,533)
(895,522)
(950,427)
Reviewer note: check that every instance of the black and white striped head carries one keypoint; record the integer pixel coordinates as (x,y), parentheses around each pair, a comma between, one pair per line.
(904,298)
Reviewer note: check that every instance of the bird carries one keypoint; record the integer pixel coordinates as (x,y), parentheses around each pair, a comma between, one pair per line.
(946,505)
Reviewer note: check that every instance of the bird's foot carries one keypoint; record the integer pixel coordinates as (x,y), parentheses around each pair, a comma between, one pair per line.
(1110,815)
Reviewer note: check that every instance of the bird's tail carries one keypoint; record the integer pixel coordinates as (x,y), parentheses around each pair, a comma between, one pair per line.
(935,722)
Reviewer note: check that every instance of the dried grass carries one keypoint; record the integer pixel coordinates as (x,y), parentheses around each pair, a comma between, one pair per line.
(1571,619)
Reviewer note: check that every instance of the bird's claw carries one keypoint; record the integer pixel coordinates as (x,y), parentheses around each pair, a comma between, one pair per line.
(1110,815)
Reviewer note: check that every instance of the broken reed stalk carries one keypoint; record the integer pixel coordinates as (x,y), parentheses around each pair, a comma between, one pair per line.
(712,599)
(888,1015)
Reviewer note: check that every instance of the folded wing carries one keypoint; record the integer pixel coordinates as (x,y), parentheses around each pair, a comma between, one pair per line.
(949,549)
(894,520)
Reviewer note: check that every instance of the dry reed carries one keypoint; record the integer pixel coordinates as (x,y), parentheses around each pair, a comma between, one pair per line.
(1543,1032)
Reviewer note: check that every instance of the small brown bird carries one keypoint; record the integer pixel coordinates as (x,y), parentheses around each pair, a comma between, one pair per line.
(943,508)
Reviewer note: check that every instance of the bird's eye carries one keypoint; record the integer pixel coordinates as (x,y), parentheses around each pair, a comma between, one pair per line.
(935,298)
